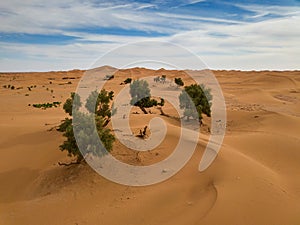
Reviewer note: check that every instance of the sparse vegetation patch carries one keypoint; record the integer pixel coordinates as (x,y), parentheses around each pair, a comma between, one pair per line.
(47,105)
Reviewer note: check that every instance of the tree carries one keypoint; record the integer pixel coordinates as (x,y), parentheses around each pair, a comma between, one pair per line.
(99,104)
(87,135)
(196,100)
(156,79)
(160,79)
(179,81)
(140,95)
(163,78)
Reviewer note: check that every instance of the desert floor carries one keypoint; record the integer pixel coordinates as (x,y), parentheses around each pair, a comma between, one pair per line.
(255,178)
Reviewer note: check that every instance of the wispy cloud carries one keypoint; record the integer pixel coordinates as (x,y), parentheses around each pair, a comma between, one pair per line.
(53,35)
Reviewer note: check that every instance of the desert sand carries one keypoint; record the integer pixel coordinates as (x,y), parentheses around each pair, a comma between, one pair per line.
(255,178)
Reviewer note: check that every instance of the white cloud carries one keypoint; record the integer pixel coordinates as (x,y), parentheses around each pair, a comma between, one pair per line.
(268,44)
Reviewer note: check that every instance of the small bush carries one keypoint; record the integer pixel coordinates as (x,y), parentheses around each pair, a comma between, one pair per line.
(127,81)
(47,105)
(179,81)
(12,87)
(109,77)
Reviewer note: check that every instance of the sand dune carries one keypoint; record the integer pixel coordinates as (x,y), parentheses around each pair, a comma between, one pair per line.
(255,178)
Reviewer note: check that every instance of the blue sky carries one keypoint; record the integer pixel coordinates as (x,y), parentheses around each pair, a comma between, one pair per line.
(234,34)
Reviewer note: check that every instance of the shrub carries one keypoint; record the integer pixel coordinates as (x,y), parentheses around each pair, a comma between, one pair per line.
(47,105)
(160,79)
(109,77)
(127,81)
(179,81)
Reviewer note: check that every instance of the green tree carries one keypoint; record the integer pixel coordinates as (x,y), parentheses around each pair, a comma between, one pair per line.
(196,100)
(179,81)
(87,134)
(140,95)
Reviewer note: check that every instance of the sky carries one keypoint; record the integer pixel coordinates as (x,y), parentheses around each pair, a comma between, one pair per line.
(38,35)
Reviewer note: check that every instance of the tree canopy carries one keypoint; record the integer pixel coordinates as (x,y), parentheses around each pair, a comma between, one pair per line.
(141,96)
(196,100)
(87,134)
(99,104)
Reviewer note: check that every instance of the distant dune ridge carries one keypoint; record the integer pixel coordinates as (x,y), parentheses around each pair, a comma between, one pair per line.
(255,178)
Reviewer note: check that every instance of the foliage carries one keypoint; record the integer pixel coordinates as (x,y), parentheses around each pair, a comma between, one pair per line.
(179,81)
(74,101)
(99,104)
(46,105)
(127,81)
(140,95)
(86,133)
(196,100)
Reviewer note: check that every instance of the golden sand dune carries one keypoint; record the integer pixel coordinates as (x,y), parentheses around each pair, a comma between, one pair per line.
(255,178)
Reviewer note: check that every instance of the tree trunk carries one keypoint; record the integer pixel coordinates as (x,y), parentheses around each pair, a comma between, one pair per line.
(162,112)
(144,110)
